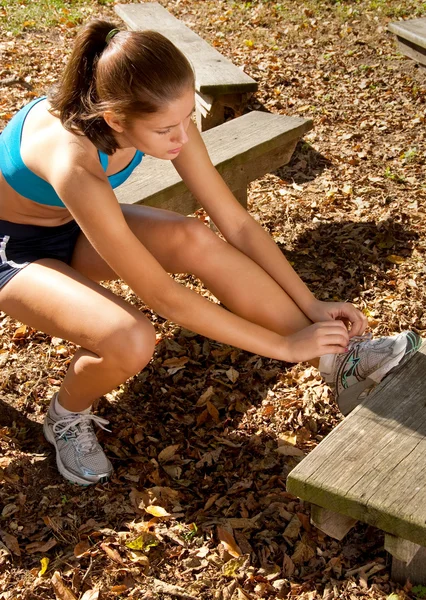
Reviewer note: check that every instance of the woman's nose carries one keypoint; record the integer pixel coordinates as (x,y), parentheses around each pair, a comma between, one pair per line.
(181,135)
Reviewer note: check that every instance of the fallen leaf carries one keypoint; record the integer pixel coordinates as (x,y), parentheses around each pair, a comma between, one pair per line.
(232,374)
(90,595)
(302,553)
(205,396)
(11,542)
(112,553)
(145,541)
(228,541)
(62,592)
(213,412)
(231,567)
(287,450)
(81,548)
(40,546)
(168,453)
(395,259)
(44,562)
(157,511)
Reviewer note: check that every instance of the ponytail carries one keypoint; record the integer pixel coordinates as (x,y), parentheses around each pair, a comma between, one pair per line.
(131,73)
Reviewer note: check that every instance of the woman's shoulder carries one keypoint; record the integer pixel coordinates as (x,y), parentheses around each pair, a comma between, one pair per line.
(45,141)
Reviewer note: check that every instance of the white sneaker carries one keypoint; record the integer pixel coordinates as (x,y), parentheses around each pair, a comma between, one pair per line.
(354,374)
(79,457)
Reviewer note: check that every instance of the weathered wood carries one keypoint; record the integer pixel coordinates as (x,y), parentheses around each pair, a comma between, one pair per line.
(402,550)
(414,570)
(333,524)
(411,38)
(242,150)
(371,467)
(215,74)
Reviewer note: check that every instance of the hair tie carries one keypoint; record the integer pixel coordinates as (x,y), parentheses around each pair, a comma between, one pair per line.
(111,34)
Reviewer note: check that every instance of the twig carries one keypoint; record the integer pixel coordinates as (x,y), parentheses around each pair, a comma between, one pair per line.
(167,588)
(16,81)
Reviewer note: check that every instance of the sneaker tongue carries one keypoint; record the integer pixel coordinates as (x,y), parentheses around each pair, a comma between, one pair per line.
(326,364)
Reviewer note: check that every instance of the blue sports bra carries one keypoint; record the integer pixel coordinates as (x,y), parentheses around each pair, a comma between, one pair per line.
(27,183)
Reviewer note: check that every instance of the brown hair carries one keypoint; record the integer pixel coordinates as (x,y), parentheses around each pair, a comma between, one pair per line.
(134,73)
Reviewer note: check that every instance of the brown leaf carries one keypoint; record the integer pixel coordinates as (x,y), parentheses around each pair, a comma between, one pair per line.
(40,546)
(213,412)
(11,542)
(228,541)
(293,528)
(288,566)
(205,396)
(232,374)
(302,553)
(176,363)
(81,548)
(168,453)
(62,592)
(113,554)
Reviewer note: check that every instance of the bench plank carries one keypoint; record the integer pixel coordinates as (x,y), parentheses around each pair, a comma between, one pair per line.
(371,467)
(413,30)
(242,150)
(215,74)
(411,38)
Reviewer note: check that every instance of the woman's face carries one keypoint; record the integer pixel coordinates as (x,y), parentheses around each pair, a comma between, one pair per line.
(161,134)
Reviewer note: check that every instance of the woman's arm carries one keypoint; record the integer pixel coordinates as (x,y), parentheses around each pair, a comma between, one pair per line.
(244,233)
(92,203)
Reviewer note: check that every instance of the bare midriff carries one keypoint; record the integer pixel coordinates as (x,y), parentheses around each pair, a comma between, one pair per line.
(17,209)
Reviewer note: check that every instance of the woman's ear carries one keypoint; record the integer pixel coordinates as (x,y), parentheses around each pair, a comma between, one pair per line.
(113,121)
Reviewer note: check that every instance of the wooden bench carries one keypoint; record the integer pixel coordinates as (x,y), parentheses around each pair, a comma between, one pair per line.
(411,38)
(372,468)
(242,150)
(219,83)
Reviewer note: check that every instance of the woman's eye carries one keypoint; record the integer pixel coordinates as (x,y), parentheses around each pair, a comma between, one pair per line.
(164,132)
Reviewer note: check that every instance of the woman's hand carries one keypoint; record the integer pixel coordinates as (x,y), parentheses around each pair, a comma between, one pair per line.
(325,311)
(327,337)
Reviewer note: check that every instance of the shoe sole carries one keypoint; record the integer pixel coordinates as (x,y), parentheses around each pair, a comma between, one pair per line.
(71,477)
(350,398)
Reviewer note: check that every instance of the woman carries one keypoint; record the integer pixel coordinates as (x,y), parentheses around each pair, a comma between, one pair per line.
(125,94)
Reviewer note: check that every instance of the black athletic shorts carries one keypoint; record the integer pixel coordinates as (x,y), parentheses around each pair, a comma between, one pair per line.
(22,244)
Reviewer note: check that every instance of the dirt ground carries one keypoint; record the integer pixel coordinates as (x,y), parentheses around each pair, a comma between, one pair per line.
(203,439)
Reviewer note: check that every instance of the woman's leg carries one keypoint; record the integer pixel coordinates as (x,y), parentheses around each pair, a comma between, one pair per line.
(185,245)
(116,341)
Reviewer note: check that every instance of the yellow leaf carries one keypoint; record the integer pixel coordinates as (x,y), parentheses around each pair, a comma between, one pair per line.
(249,43)
(44,564)
(143,542)
(232,566)
(157,511)
(395,259)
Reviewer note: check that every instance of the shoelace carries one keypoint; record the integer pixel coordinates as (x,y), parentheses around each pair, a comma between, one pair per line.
(360,338)
(85,438)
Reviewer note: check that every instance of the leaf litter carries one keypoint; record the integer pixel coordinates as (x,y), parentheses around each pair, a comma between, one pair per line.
(204,437)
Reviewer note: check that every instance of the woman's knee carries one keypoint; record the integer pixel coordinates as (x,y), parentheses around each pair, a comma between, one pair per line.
(197,241)
(130,346)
